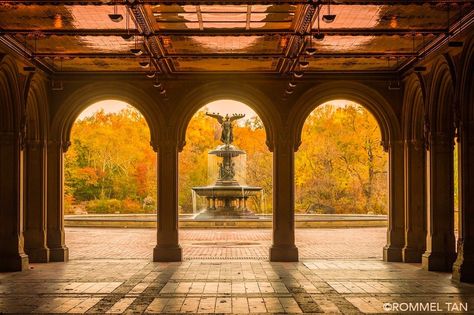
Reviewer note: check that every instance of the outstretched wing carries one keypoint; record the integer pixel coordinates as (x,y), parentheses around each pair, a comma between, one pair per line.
(236,116)
(216,116)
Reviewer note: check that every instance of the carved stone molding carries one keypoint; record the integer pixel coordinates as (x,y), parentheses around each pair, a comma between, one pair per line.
(9,137)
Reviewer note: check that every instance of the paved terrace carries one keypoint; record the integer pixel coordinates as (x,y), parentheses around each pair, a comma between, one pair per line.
(348,277)
(117,243)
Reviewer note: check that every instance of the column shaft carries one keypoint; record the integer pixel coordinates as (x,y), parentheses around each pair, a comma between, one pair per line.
(283,247)
(167,248)
(396,225)
(463,268)
(55,216)
(35,202)
(12,255)
(415,211)
(440,241)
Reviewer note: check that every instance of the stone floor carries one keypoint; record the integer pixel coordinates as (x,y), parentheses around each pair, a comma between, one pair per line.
(92,243)
(117,285)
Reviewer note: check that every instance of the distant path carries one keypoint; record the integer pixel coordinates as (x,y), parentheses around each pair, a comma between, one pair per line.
(100,243)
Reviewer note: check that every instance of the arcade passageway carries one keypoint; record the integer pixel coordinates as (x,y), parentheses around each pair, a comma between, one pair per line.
(410,63)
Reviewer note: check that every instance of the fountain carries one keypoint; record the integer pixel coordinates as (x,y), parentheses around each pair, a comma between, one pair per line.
(226,198)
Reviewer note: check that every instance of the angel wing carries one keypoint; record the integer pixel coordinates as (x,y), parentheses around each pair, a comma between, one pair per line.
(236,116)
(216,116)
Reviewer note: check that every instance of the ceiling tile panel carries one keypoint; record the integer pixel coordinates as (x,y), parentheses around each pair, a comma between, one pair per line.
(225,64)
(224,44)
(98,64)
(77,44)
(68,17)
(352,64)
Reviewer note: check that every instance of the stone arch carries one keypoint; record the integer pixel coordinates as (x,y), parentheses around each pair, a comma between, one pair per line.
(37,110)
(87,95)
(466,82)
(441,98)
(10,100)
(413,111)
(372,100)
(246,94)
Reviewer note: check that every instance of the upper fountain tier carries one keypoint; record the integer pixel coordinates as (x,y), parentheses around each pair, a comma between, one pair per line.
(227,150)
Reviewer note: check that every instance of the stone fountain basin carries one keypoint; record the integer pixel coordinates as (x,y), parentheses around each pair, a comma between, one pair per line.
(227,191)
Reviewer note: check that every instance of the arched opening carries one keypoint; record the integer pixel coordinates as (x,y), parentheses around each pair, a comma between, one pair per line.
(341,177)
(225,185)
(110,181)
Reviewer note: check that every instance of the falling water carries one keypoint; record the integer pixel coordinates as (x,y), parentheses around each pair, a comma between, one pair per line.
(194,201)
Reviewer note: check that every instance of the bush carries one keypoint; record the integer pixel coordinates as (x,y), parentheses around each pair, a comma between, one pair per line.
(111,206)
(103,206)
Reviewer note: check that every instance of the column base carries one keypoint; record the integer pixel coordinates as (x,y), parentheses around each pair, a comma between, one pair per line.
(38,255)
(59,254)
(437,261)
(392,254)
(283,253)
(14,263)
(167,253)
(464,271)
(412,255)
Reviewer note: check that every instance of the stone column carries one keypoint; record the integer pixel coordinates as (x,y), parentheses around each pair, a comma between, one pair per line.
(415,210)
(167,247)
(463,268)
(55,216)
(440,241)
(12,255)
(283,247)
(35,201)
(396,224)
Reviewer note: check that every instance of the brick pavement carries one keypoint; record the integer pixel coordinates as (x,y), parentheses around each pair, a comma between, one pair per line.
(134,286)
(113,243)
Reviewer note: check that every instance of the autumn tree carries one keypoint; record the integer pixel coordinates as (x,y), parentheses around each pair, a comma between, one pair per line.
(341,166)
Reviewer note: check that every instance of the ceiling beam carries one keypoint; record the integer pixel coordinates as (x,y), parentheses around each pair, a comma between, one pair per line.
(222,2)
(153,44)
(223,32)
(228,55)
(297,42)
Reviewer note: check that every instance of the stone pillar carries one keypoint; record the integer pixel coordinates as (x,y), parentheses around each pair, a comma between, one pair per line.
(55,216)
(396,224)
(35,202)
(167,248)
(463,268)
(415,210)
(12,255)
(440,241)
(283,247)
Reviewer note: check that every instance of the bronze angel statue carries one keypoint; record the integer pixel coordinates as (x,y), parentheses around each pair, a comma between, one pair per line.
(227,136)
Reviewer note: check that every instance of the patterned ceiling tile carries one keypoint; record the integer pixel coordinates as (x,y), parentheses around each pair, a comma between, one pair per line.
(224,64)
(44,17)
(224,44)
(77,44)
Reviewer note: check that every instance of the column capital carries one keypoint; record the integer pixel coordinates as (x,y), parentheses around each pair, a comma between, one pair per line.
(34,144)
(60,145)
(417,144)
(284,140)
(9,137)
(167,145)
(440,141)
(389,144)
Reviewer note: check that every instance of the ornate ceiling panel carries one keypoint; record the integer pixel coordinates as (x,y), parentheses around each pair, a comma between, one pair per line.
(226,64)
(60,17)
(121,64)
(209,36)
(76,44)
(353,64)
(224,44)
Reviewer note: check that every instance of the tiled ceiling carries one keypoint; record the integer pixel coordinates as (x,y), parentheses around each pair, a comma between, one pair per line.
(260,36)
